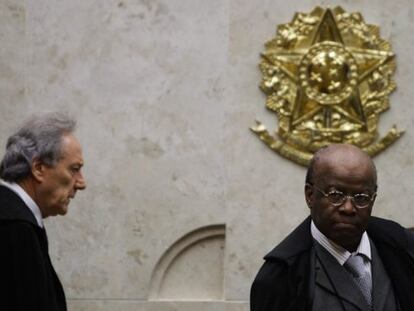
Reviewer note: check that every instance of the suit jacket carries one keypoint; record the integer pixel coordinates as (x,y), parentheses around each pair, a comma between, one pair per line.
(335,288)
(27,278)
(285,281)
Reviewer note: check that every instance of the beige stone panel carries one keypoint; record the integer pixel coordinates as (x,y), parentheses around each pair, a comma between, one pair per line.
(164,92)
(12,60)
(192,268)
(145,80)
(97,305)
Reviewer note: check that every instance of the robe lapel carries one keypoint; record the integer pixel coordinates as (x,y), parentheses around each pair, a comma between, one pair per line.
(381,284)
(328,270)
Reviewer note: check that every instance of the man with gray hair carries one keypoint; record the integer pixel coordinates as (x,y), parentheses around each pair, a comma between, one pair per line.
(41,173)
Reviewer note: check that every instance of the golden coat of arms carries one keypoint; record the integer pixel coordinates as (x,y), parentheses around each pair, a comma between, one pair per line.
(327,76)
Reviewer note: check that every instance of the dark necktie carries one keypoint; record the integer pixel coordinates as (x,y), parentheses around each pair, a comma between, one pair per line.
(355,265)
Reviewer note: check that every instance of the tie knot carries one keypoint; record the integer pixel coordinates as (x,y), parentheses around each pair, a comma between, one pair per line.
(355,265)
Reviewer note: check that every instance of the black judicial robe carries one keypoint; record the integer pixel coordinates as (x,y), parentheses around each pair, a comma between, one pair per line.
(285,281)
(27,278)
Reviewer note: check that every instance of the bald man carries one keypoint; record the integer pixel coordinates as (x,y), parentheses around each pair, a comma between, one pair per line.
(341,257)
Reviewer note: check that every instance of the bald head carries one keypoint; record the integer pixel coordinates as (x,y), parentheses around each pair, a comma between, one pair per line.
(336,156)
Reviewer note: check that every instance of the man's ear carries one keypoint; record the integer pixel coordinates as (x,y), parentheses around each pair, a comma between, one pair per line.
(38,170)
(309,195)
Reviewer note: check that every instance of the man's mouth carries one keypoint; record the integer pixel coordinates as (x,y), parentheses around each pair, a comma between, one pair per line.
(343,225)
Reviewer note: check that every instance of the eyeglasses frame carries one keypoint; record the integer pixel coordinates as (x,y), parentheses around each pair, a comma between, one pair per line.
(346,196)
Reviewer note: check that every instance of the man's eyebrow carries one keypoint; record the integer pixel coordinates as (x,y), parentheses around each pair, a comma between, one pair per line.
(78,164)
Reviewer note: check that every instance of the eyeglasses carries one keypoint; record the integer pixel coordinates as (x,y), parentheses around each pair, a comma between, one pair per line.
(337,198)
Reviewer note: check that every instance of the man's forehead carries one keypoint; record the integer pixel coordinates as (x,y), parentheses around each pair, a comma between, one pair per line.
(71,149)
(344,159)
(335,153)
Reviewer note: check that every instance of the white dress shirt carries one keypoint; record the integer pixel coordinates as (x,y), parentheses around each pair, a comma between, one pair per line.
(340,253)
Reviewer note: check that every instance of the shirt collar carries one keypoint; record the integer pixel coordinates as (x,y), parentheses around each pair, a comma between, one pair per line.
(340,253)
(26,199)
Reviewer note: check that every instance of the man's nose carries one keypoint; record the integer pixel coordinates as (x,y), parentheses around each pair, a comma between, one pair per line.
(80,182)
(348,206)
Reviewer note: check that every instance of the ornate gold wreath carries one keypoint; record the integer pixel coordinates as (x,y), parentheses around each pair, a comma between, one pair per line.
(327,76)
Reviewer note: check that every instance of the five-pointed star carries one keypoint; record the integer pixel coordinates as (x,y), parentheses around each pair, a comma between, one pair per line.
(367,60)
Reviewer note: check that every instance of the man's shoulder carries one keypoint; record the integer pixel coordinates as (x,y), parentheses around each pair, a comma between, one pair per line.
(288,263)
(12,207)
(390,232)
(382,226)
(296,243)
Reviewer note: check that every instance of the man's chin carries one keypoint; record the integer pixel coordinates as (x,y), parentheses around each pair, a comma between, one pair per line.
(345,227)
(64,211)
(347,238)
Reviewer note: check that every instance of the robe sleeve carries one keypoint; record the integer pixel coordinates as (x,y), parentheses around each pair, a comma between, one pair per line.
(269,291)
(24,277)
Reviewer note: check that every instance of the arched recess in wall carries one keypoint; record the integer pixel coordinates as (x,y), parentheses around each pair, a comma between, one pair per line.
(192,268)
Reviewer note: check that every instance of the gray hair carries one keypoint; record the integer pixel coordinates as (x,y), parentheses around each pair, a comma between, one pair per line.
(38,138)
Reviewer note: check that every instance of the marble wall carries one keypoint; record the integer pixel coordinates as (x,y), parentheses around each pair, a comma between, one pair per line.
(183,200)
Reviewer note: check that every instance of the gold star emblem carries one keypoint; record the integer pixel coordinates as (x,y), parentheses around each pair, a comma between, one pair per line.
(334,75)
